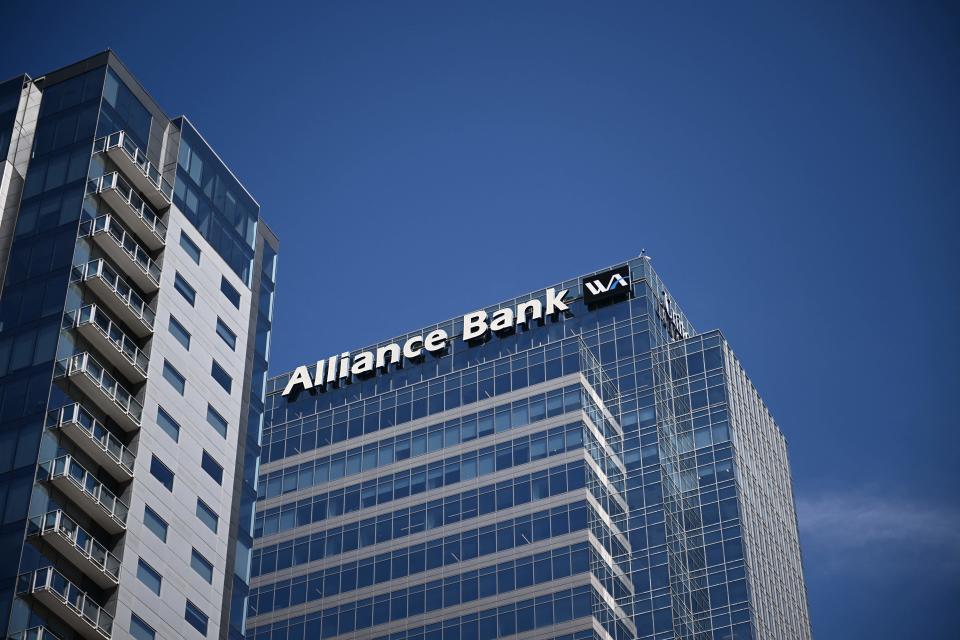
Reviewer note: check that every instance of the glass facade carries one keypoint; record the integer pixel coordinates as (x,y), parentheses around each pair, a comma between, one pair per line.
(9,105)
(215,202)
(577,476)
(96,394)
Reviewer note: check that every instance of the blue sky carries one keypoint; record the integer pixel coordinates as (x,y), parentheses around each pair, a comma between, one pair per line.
(794,170)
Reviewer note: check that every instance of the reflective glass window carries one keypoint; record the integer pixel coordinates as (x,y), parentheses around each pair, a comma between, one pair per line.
(161,472)
(179,332)
(170,426)
(149,576)
(189,247)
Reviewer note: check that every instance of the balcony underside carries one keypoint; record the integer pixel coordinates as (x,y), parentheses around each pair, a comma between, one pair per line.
(111,353)
(77,558)
(141,182)
(118,308)
(74,618)
(88,504)
(119,206)
(95,394)
(84,441)
(119,256)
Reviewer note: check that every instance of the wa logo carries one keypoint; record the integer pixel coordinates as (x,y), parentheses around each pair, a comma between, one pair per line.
(597,287)
(609,284)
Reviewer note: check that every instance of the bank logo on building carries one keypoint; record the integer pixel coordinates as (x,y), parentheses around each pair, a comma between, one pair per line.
(614,283)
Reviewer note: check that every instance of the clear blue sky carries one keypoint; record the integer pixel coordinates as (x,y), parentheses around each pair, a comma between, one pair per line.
(794,171)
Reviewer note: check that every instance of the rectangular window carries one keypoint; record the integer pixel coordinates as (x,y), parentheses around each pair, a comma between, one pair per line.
(230,292)
(161,472)
(196,617)
(207,515)
(168,424)
(155,523)
(190,247)
(213,469)
(217,421)
(140,630)
(149,576)
(221,376)
(202,566)
(226,335)
(174,377)
(179,332)
(189,293)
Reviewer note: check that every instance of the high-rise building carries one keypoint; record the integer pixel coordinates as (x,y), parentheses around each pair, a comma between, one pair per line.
(135,316)
(577,462)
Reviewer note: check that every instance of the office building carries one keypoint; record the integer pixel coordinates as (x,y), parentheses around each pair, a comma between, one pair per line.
(577,462)
(135,318)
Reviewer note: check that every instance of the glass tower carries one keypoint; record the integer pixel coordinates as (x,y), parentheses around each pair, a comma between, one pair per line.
(603,471)
(135,313)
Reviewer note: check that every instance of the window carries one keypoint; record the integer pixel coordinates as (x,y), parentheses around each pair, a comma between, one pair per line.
(230,292)
(189,293)
(149,576)
(197,618)
(213,469)
(217,421)
(174,377)
(226,335)
(179,332)
(140,630)
(221,376)
(190,247)
(202,566)
(207,515)
(161,472)
(168,424)
(155,523)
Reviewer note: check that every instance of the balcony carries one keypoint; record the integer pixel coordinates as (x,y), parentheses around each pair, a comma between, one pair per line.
(93,323)
(78,546)
(34,633)
(101,388)
(90,435)
(69,476)
(135,212)
(120,245)
(125,153)
(117,295)
(49,587)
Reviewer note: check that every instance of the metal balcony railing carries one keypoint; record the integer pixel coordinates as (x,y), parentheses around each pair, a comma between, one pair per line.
(110,226)
(67,468)
(82,543)
(67,600)
(119,140)
(136,205)
(93,316)
(87,365)
(124,292)
(34,633)
(81,421)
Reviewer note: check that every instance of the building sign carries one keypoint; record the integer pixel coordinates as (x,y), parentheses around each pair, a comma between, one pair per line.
(671,318)
(614,283)
(476,325)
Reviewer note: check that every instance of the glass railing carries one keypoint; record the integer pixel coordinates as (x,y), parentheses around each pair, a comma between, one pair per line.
(120,140)
(124,290)
(125,241)
(86,364)
(136,202)
(95,430)
(59,523)
(93,315)
(50,580)
(67,467)
(34,633)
